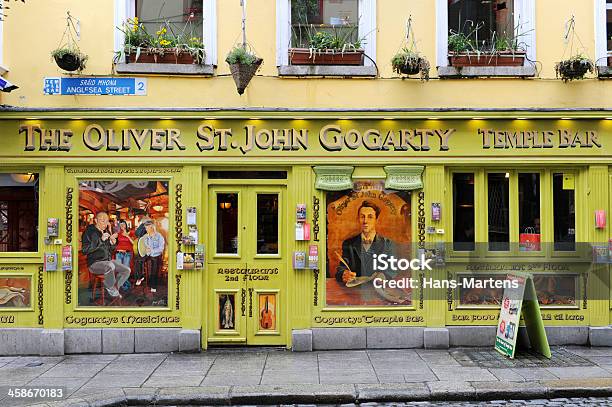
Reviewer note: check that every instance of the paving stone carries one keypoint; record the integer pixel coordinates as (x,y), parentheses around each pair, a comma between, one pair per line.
(578,372)
(535,373)
(508,390)
(204,395)
(293,378)
(348,378)
(230,380)
(393,392)
(110,380)
(86,359)
(466,374)
(442,390)
(108,397)
(70,370)
(506,375)
(173,381)
(278,394)
(70,384)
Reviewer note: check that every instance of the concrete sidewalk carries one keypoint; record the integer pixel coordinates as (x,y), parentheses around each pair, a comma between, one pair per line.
(274,376)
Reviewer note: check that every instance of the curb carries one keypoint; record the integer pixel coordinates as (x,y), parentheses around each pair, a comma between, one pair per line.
(339,394)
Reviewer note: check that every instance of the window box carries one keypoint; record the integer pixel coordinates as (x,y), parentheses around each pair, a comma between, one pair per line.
(503,58)
(162,56)
(305,56)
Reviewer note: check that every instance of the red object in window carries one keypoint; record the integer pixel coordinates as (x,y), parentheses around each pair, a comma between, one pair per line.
(190,14)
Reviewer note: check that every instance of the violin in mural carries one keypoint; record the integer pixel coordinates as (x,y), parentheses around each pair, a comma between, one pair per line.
(266,321)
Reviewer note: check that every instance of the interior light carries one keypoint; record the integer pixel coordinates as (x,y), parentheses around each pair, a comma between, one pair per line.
(225,205)
(24,178)
(507,175)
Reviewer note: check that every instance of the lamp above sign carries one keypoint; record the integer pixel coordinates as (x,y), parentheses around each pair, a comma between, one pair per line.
(92,86)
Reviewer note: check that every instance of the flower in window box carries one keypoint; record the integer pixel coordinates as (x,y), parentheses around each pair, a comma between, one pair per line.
(165,47)
(334,47)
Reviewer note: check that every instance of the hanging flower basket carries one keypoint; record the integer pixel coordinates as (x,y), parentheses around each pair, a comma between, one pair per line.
(306,56)
(499,58)
(574,68)
(69,60)
(243,65)
(243,73)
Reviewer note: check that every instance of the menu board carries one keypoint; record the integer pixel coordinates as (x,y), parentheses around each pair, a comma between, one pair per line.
(520,297)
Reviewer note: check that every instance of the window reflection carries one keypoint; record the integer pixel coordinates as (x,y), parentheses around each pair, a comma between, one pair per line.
(267,224)
(463,212)
(564,212)
(18,212)
(227,223)
(499,211)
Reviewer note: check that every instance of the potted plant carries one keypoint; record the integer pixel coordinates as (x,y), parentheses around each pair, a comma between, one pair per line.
(463,51)
(243,65)
(163,47)
(408,60)
(575,67)
(329,48)
(69,59)
(67,55)
(502,49)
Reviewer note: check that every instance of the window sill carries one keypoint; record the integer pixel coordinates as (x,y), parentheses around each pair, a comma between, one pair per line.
(172,69)
(604,71)
(327,70)
(486,71)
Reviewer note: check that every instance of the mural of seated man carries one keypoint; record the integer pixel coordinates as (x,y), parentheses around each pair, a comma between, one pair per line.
(99,244)
(357,251)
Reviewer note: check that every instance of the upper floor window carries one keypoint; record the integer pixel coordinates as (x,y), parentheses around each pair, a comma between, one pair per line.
(487,25)
(492,26)
(346,26)
(335,20)
(185,29)
(184,18)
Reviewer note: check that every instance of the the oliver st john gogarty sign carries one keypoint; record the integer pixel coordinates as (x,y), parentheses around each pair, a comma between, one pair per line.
(237,137)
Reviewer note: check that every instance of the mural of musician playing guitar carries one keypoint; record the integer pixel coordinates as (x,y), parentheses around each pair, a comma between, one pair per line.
(267,306)
(361,223)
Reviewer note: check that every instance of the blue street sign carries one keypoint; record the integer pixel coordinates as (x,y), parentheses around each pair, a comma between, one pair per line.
(96,86)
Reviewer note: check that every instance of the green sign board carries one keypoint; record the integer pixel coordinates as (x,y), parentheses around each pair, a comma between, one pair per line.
(520,297)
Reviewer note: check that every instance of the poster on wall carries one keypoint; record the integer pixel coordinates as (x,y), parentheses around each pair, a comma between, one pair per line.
(123,245)
(15,292)
(366,221)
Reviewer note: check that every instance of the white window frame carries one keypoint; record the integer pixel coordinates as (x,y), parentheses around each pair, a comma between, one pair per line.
(524,11)
(601,43)
(125,9)
(367,29)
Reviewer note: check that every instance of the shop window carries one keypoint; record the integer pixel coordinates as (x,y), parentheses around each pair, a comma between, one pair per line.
(609,29)
(499,211)
(529,211)
(564,211)
(124,235)
(553,290)
(18,212)
(184,24)
(326,24)
(463,212)
(366,221)
(227,223)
